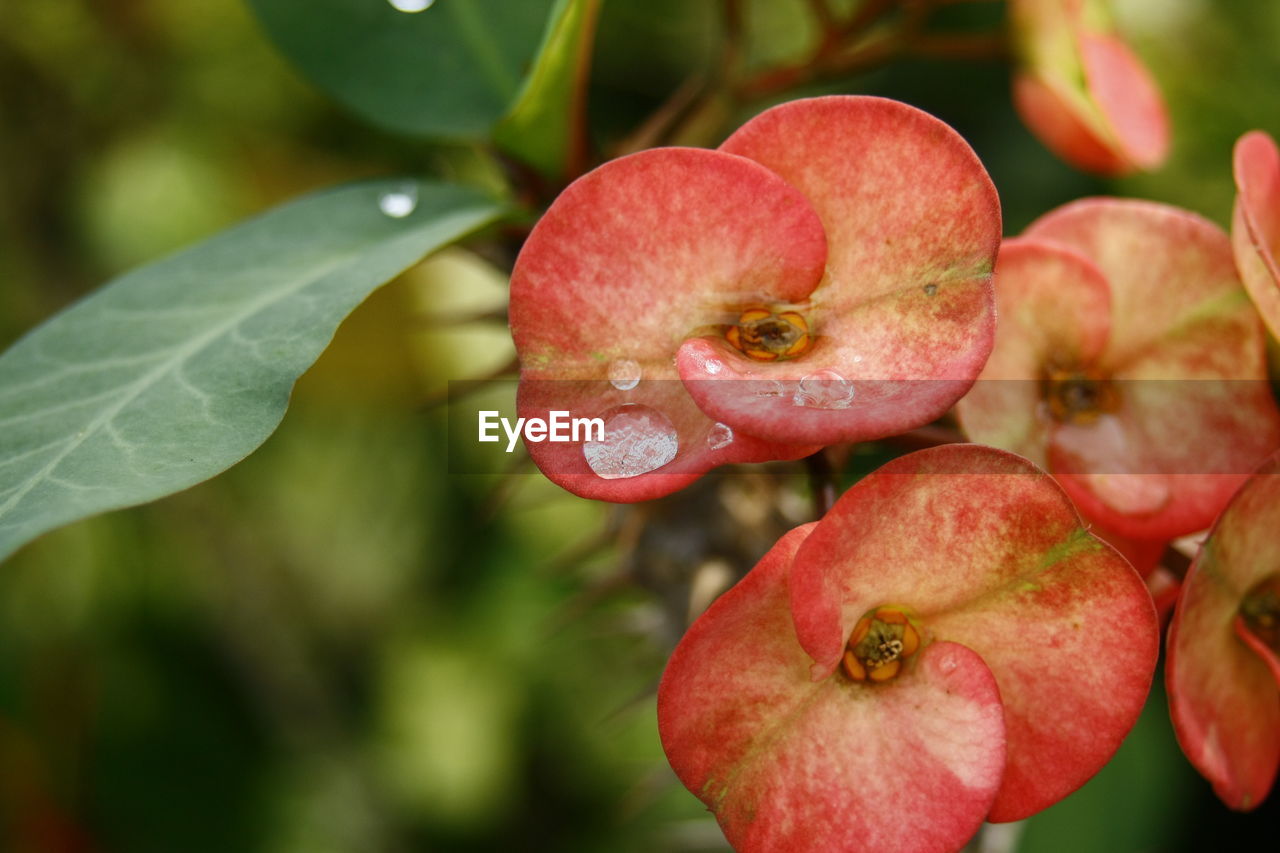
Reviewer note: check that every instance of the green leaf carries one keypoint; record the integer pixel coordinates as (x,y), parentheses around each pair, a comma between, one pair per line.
(175,371)
(448,71)
(545,126)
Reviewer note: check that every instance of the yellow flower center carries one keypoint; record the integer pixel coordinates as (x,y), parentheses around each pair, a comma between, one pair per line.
(1078,396)
(880,642)
(764,334)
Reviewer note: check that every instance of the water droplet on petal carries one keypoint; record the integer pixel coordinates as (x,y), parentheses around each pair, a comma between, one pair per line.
(411,5)
(930,289)
(625,373)
(637,440)
(770,388)
(713,366)
(720,437)
(824,389)
(400,202)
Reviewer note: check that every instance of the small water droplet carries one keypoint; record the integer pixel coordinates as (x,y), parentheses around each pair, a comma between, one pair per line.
(720,437)
(637,440)
(625,373)
(771,388)
(411,5)
(824,389)
(713,366)
(930,289)
(400,202)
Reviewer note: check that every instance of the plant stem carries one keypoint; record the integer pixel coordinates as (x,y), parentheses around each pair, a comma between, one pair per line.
(822,482)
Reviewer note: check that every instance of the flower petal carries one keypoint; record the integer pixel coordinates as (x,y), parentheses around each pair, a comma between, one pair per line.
(1054,307)
(986,550)
(630,260)
(1255,225)
(1223,696)
(787,764)
(1168,269)
(1082,90)
(1186,359)
(1128,98)
(913,224)
(662,443)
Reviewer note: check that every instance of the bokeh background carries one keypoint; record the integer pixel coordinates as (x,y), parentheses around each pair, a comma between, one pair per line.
(343,645)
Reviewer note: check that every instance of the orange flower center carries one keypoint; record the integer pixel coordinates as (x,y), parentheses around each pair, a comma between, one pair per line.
(765,334)
(880,642)
(1078,396)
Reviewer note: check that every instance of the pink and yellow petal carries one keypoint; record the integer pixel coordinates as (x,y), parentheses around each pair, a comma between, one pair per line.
(1187,429)
(1073,646)
(1054,308)
(789,764)
(1223,695)
(1168,268)
(930,530)
(656,441)
(891,375)
(647,249)
(987,550)
(913,224)
(629,260)
(1255,226)
(1082,90)
(1128,99)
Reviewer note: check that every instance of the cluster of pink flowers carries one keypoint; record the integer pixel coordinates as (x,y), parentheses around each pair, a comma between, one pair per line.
(833,273)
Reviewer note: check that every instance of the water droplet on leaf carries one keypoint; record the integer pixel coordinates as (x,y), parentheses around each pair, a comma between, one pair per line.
(720,437)
(625,373)
(400,202)
(824,389)
(411,5)
(637,440)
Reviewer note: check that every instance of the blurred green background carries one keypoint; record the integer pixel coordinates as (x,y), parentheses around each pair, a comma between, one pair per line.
(339,645)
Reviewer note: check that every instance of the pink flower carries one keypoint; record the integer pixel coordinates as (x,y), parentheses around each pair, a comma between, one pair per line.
(1130,363)
(1255,226)
(947,645)
(824,276)
(1223,669)
(1082,91)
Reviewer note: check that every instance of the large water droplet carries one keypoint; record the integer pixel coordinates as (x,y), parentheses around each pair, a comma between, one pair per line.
(411,5)
(824,389)
(712,366)
(400,202)
(625,373)
(637,440)
(720,437)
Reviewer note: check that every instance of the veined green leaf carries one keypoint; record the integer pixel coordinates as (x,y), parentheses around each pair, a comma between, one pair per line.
(177,370)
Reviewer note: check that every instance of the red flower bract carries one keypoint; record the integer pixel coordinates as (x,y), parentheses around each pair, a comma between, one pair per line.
(1082,90)
(823,277)
(1255,224)
(1130,363)
(1223,669)
(947,645)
